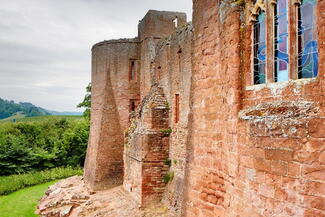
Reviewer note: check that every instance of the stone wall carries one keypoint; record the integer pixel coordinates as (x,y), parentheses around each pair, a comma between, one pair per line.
(111,95)
(254,150)
(172,70)
(155,26)
(146,149)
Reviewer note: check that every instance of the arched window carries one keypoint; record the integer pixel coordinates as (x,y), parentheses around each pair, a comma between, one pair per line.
(281,57)
(307,40)
(259,49)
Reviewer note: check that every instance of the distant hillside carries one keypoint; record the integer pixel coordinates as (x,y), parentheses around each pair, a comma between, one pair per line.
(65,113)
(10,108)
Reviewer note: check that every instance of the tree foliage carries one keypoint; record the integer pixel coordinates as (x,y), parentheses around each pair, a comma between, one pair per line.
(86,103)
(35,146)
(9,108)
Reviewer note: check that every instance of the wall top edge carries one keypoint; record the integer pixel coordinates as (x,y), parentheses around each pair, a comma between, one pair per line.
(116,41)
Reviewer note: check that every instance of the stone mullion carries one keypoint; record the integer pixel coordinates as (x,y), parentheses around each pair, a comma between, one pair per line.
(293,39)
(270,41)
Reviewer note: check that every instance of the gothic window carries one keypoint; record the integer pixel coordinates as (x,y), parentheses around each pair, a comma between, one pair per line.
(281,57)
(307,43)
(259,49)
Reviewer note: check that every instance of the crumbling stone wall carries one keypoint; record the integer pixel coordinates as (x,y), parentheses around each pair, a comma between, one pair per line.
(255,150)
(146,149)
(172,70)
(155,26)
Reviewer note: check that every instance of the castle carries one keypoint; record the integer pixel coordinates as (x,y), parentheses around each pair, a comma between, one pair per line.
(220,117)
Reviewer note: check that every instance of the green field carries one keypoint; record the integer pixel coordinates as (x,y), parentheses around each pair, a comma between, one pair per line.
(21,118)
(22,203)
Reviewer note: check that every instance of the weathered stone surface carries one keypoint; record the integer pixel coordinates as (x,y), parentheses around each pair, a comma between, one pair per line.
(70,197)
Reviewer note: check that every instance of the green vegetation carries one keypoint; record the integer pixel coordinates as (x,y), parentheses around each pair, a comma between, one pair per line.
(9,184)
(86,103)
(169,177)
(22,203)
(10,108)
(168,162)
(22,118)
(166,131)
(38,143)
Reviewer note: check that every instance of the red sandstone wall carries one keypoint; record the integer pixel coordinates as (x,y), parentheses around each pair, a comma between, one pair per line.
(212,170)
(166,62)
(254,150)
(172,69)
(146,149)
(111,94)
(153,27)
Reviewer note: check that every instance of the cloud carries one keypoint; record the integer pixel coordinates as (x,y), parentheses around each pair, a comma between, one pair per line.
(45,44)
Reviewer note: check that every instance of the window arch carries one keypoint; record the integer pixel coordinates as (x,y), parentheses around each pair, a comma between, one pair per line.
(260,48)
(307,40)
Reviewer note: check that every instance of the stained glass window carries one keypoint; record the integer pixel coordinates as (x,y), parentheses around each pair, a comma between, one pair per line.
(259,49)
(281,61)
(307,42)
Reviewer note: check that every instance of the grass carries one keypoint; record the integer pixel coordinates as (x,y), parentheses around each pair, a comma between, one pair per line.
(22,203)
(22,118)
(9,184)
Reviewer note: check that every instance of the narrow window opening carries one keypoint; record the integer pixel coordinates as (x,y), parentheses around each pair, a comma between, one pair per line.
(132,105)
(259,49)
(281,57)
(307,40)
(176,108)
(132,71)
(179,53)
(159,72)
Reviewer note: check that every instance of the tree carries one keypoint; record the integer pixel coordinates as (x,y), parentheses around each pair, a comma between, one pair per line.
(86,103)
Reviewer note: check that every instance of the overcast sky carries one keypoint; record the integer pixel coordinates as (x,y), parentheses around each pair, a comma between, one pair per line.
(45,44)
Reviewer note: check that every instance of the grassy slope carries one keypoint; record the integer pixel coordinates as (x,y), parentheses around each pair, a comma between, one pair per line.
(22,203)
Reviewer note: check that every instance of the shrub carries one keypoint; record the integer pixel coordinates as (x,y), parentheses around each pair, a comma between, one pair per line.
(35,146)
(166,131)
(9,184)
(169,177)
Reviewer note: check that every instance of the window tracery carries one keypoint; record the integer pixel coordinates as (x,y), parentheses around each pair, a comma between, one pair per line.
(281,54)
(307,43)
(284,40)
(259,45)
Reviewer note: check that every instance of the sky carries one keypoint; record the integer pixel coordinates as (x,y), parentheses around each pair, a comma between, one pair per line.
(45,44)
